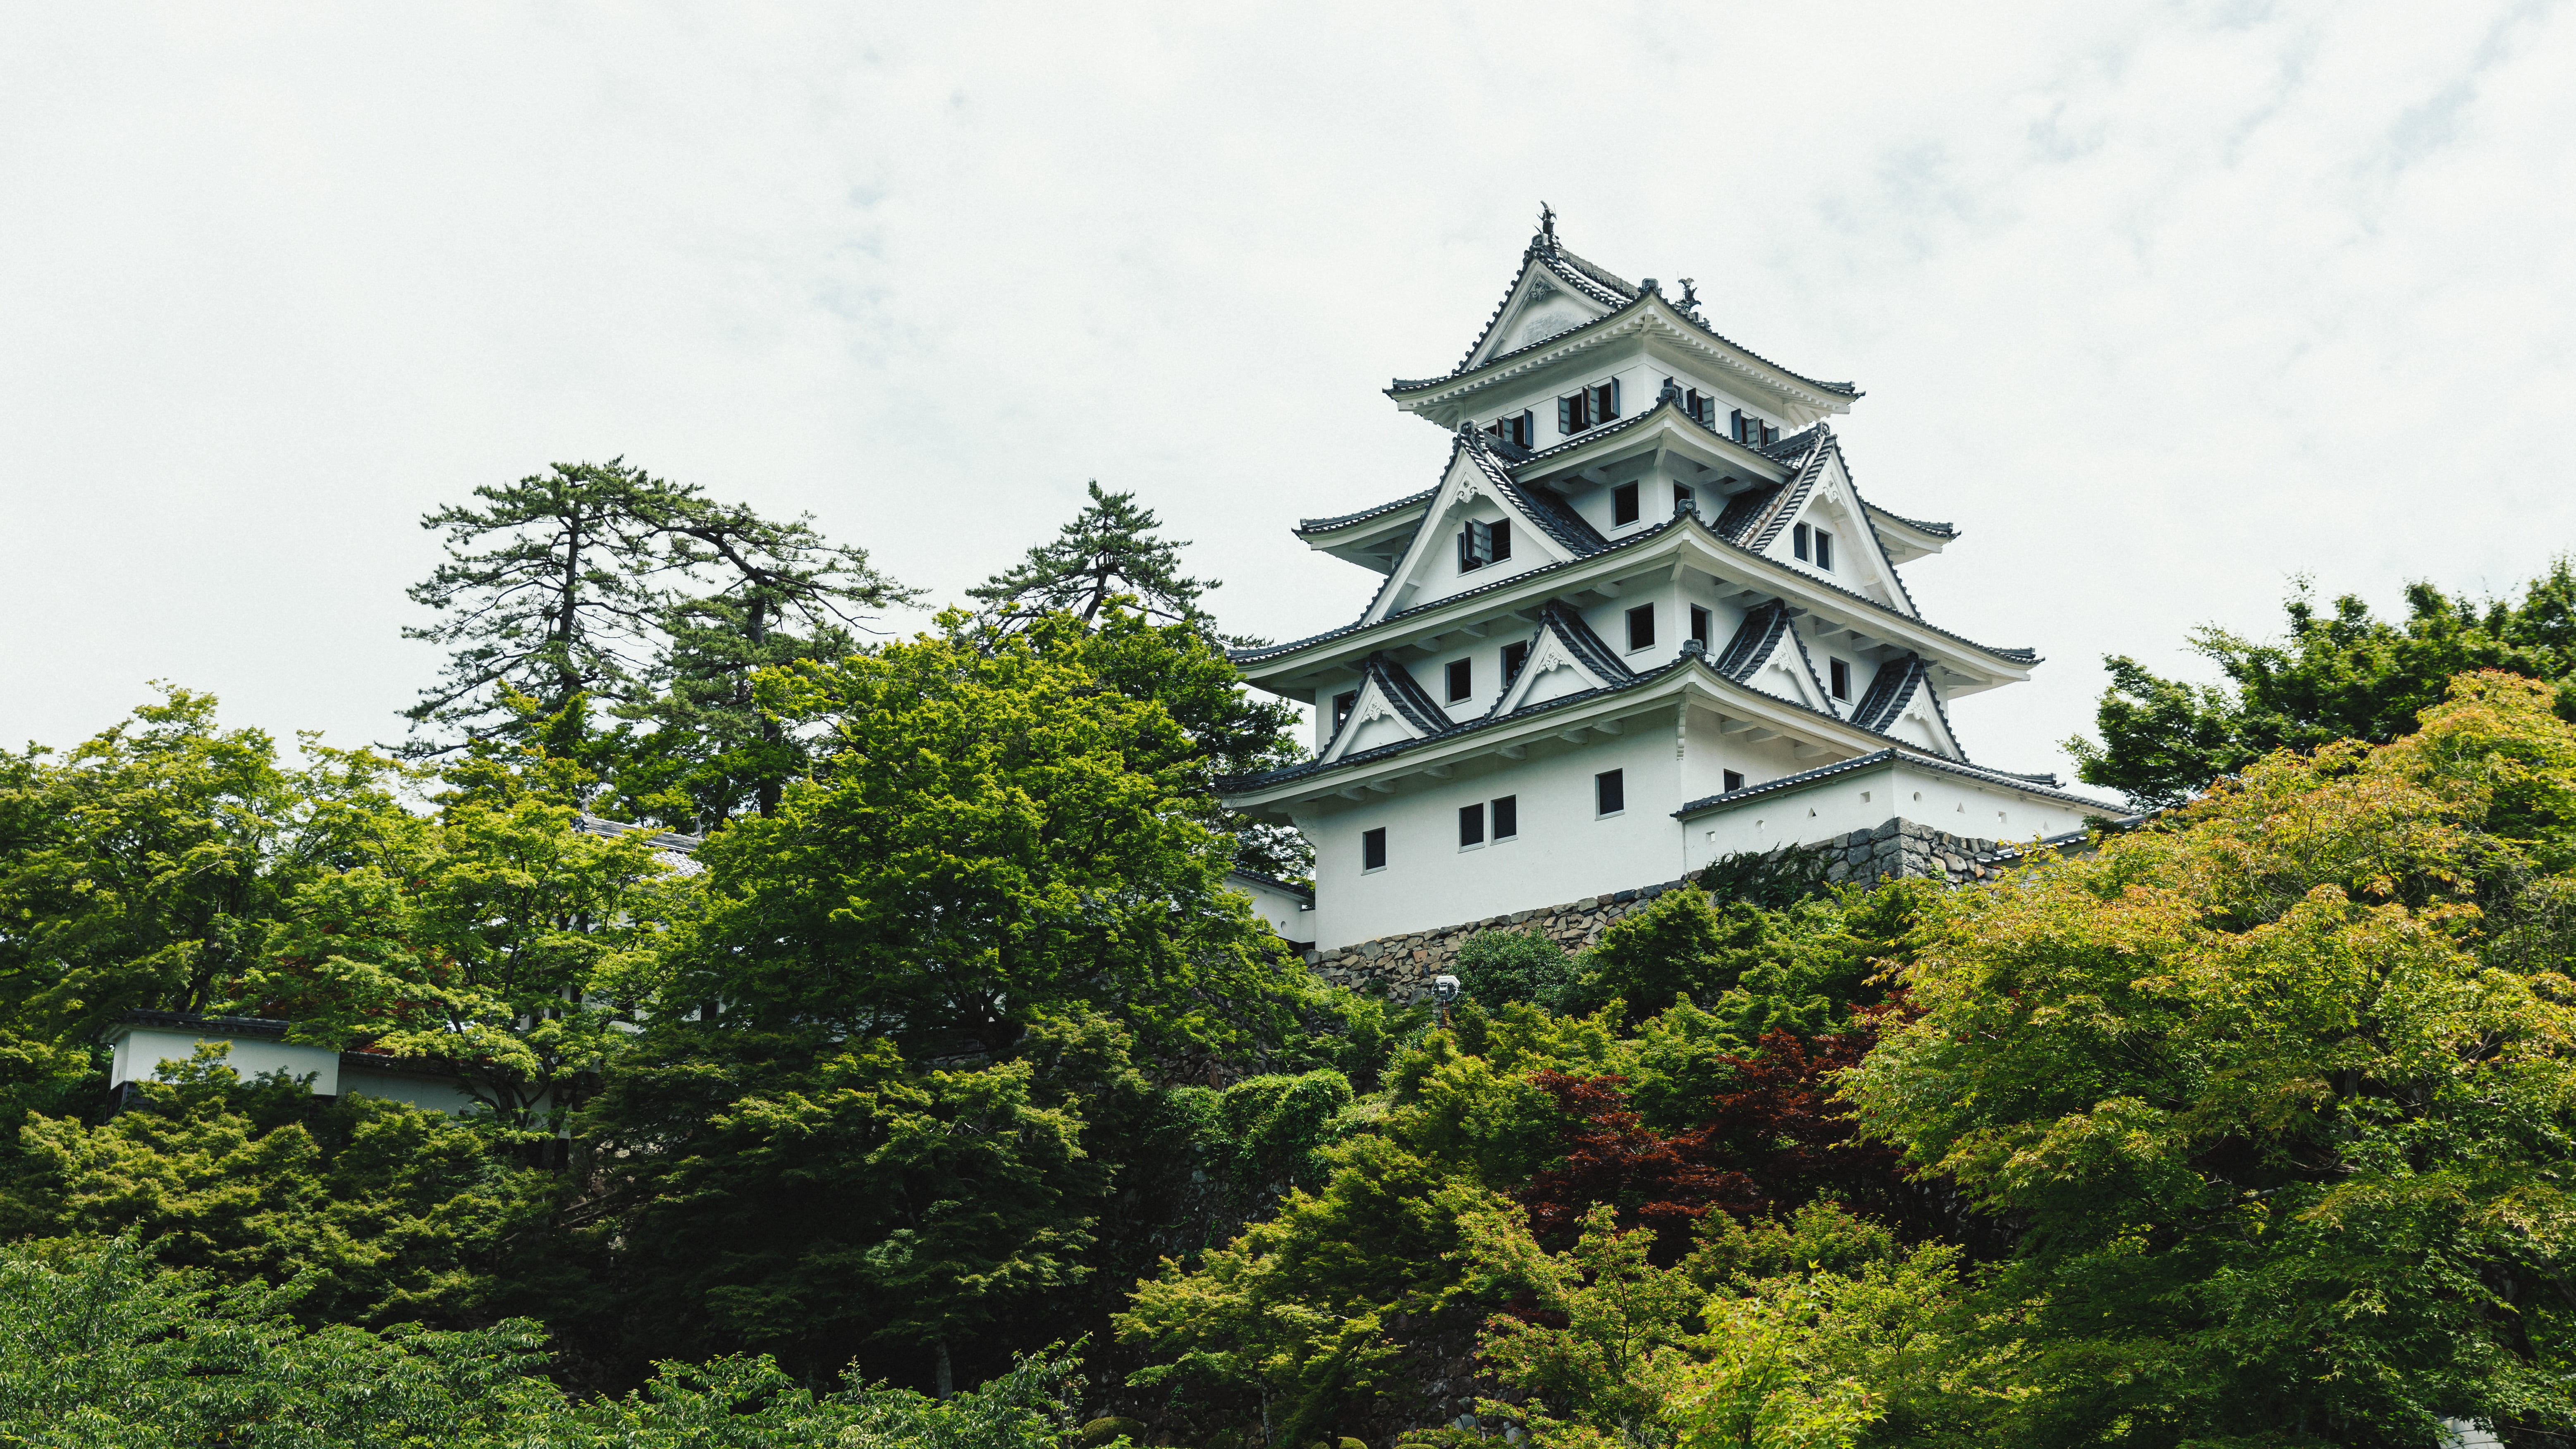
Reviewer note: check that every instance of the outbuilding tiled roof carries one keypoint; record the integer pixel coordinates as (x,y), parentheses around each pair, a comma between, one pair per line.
(1901,752)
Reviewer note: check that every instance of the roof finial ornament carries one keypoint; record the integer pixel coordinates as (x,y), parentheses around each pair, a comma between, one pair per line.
(1547,223)
(1690,294)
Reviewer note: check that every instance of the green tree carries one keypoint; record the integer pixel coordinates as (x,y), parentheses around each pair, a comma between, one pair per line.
(1110,570)
(780,593)
(1110,551)
(989,835)
(372,1211)
(150,866)
(492,937)
(549,590)
(2341,673)
(2286,1126)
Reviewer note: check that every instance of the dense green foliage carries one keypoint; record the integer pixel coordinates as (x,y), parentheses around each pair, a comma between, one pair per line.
(2341,674)
(101,1350)
(950,1047)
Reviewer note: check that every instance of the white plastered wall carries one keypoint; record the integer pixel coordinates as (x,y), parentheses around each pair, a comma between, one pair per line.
(1562,852)
(139,1052)
(1287,914)
(1866,799)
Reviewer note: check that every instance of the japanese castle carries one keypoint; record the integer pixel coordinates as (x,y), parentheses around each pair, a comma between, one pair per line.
(1644,619)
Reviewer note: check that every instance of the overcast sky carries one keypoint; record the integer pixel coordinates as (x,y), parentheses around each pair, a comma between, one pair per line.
(2160,304)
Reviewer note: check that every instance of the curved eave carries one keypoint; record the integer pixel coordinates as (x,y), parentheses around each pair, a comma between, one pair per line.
(1690,677)
(1754,570)
(1907,540)
(1804,399)
(1374,539)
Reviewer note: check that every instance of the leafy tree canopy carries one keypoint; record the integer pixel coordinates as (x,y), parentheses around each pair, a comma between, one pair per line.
(2281,1095)
(2340,674)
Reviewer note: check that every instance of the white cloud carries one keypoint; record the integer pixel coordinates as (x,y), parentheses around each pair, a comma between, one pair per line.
(2160,303)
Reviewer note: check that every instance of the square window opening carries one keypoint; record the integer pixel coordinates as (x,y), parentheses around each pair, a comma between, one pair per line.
(1471,825)
(1609,792)
(1700,622)
(1373,849)
(1641,627)
(1798,541)
(1734,781)
(1824,550)
(1840,673)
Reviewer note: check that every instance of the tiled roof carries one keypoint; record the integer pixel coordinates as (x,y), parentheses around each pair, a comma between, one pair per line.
(1942,530)
(1602,287)
(1270,651)
(1754,639)
(1237,784)
(1284,887)
(1580,641)
(1744,510)
(1319,525)
(1562,523)
(1889,689)
(1905,753)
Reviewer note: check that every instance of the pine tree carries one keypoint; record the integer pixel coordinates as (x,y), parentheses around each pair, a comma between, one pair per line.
(1108,550)
(778,593)
(550,591)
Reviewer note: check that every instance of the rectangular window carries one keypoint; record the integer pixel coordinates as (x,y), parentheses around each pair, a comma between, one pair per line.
(1514,656)
(1589,407)
(1824,550)
(1751,430)
(1514,430)
(1841,675)
(1462,679)
(1798,540)
(1734,780)
(1507,817)
(1501,533)
(1700,624)
(1641,627)
(1471,825)
(1623,505)
(1700,405)
(1475,545)
(1373,849)
(1609,792)
(1343,704)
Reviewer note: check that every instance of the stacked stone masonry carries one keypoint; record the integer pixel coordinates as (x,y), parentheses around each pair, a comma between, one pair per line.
(1406,964)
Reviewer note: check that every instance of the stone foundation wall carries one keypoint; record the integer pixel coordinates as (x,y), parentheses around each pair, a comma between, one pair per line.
(1407,963)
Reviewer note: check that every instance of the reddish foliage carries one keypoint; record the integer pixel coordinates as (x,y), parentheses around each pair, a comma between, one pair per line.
(1770,1143)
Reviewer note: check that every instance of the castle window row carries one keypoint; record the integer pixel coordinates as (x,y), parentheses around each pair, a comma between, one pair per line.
(1499,819)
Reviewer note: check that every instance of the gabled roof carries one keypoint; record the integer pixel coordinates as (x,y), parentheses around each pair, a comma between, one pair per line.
(1386,687)
(1474,467)
(1563,641)
(1768,633)
(1744,510)
(1602,287)
(1898,683)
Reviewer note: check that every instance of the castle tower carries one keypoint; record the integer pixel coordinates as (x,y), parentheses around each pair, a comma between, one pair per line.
(1643,619)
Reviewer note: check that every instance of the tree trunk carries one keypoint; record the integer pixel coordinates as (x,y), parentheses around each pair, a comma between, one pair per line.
(946,1381)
